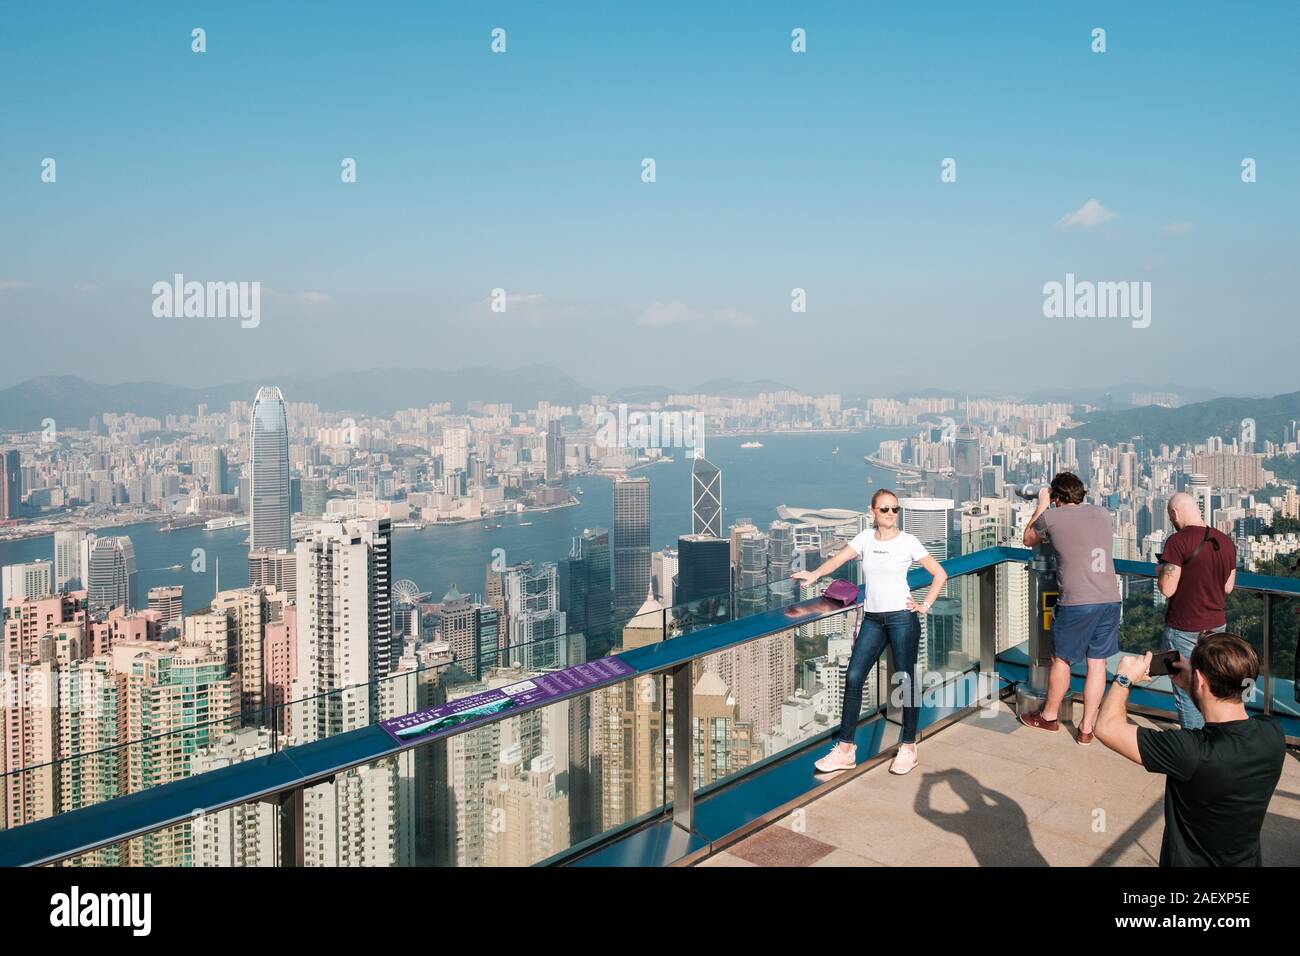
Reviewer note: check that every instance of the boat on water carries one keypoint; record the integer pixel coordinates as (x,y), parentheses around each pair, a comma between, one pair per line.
(577,490)
(221,524)
(666,460)
(751,444)
(491,527)
(524,524)
(836,451)
(413,525)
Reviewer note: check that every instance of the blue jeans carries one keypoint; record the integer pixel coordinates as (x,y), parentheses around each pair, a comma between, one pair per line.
(1184,642)
(902,629)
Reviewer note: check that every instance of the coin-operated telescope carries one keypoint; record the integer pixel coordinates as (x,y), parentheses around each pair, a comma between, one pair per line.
(1044,590)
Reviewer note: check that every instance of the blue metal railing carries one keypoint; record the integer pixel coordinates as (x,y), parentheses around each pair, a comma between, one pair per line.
(283,775)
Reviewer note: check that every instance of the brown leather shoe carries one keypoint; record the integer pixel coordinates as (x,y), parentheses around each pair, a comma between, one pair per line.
(1036,720)
(1083,738)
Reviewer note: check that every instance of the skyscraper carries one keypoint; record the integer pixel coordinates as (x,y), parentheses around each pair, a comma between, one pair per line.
(706,497)
(631,544)
(554,451)
(110,574)
(71,559)
(344,624)
(25,582)
(314,492)
(11,484)
(703,567)
(586,597)
(269,507)
(277,569)
(167,600)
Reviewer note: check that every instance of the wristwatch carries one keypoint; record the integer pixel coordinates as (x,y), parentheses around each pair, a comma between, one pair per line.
(1123,681)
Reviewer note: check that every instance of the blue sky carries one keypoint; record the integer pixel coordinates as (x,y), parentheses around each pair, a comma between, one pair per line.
(775,170)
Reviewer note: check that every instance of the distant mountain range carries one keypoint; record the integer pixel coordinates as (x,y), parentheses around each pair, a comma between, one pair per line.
(1193,423)
(71,400)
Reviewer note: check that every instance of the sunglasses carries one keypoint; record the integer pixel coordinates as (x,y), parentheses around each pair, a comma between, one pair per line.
(886,511)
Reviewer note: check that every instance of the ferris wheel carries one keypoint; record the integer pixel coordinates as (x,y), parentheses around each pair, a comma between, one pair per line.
(407,592)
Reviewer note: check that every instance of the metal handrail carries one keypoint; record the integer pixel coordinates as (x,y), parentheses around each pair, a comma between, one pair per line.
(282,776)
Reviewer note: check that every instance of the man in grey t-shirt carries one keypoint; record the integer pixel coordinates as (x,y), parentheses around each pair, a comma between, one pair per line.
(1085,625)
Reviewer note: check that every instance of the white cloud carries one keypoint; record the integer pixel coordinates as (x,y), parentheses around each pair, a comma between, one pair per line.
(85,287)
(1092,213)
(6,284)
(678,313)
(1178,228)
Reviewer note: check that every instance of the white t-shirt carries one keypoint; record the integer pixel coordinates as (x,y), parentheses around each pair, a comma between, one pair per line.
(884,567)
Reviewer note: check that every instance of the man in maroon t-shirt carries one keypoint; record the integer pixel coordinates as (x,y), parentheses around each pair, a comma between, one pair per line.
(1197,571)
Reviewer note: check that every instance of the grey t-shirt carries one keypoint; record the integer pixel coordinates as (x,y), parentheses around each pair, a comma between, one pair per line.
(1081,535)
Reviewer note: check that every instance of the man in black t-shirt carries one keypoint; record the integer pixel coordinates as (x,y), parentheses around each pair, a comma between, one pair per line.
(1220,776)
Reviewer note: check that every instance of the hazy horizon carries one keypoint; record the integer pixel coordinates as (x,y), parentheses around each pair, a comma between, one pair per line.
(775,170)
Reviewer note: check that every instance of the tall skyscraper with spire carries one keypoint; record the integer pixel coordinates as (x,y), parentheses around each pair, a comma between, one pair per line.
(269,465)
(706,496)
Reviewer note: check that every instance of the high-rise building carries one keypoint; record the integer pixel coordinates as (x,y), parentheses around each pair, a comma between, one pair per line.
(703,567)
(529,811)
(344,625)
(554,451)
(930,520)
(110,574)
(274,569)
(780,557)
(706,497)
(314,493)
(179,699)
(11,484)
(471,631)
(966,452)
(244,835)
(71,559)
(536,627)
(663,573)
(247,612)
(752,571)
(25,582)
(167,601)
(269,507)
(586,597)
(631,544)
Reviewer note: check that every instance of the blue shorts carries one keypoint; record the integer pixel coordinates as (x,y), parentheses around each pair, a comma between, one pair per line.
(1085,630)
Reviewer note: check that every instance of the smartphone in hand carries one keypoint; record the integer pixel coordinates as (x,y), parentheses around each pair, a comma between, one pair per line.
(1160,662)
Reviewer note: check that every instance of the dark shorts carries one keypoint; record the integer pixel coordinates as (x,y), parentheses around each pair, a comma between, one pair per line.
(1085,630)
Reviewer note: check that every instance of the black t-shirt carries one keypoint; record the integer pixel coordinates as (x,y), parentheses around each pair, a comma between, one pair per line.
(1221,779)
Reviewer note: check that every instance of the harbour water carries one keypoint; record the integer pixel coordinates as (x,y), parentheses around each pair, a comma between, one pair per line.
(800,470)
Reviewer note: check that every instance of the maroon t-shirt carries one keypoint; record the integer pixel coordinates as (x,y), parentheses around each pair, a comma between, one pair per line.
(1197,605)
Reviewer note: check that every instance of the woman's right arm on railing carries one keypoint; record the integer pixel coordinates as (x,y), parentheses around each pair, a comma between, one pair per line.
(845,553)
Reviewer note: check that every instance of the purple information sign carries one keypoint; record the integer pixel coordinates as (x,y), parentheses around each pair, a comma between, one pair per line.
(440,721)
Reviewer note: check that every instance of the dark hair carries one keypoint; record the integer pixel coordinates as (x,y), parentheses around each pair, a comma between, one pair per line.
(1068,489)
(1228,663)
(882,491)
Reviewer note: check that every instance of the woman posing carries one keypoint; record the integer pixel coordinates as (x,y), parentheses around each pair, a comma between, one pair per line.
(889,615)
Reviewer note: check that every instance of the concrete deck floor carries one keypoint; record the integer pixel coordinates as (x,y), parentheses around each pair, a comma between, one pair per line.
(991,792)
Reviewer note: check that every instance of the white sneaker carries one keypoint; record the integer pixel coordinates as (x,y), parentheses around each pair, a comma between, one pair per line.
(904,760)
(837,759)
